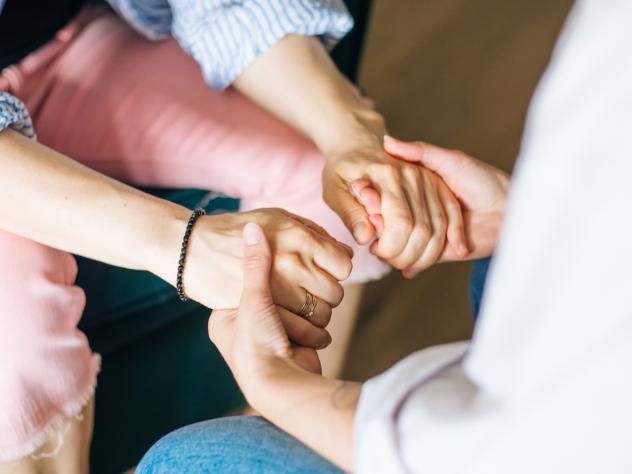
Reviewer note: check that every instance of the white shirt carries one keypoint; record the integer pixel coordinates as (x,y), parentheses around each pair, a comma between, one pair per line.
(545,386)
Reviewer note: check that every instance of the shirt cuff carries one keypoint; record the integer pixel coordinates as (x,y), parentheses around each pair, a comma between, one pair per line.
(377,444)
(224,40)
(13,114)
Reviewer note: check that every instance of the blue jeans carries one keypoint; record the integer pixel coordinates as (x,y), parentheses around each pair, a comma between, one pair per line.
(238,444)
(477,284)
(251,445)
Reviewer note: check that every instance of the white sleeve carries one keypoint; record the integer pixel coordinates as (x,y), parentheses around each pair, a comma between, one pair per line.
(415,414)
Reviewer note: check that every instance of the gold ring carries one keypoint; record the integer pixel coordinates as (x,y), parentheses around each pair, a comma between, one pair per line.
(309,306)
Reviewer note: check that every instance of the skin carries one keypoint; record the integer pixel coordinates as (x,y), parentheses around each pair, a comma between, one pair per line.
(417,208)
(282,381)
(51,199)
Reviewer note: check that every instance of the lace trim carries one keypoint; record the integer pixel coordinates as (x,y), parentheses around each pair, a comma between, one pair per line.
(58,425)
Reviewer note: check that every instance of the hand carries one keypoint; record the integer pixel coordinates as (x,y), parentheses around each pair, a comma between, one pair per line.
(252,339)
(481,189)
(305,257)
(417,210)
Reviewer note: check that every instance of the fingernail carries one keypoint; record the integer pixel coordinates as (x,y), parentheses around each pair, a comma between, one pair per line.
(386,137)
(252,234)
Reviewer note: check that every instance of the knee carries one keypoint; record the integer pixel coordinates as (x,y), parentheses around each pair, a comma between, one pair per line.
(213,446)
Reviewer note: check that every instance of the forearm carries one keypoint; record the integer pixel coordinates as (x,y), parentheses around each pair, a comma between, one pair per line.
(56,201)
(318,411)
(298,82)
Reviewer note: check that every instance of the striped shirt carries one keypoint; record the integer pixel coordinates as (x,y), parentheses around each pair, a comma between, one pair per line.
(223,36)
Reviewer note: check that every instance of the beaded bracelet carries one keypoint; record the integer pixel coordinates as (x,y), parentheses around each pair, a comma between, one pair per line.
(183,251)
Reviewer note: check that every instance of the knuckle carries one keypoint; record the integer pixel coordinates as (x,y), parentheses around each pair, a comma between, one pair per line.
(423,232)
(411,174)
(288,262)
(387,249)
(402,225)
(384,170)
(440,223)
(347,267)
(399,263)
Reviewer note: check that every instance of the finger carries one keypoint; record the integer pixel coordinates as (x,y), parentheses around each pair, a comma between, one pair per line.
(352,213)
(307,358)
(311,225)
(438,219)
(302,332)
(398,221)
(331,259)
(358,185)
(257,264)
(321,310)
(371,200)
(364,192)
(456,226)
(323,285)
(321,232)
(446,163)
(292,296)
(422,229)
(378,223)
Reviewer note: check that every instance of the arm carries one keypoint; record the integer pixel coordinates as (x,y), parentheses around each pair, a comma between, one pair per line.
(310,94)
(47,197)
(282,381)
(51,199)
(316,410)
(278,380)
(269,51)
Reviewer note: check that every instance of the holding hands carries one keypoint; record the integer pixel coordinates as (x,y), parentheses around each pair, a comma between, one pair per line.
(480,188)
(306,259)
(420,204)
(252,338)
(418,213)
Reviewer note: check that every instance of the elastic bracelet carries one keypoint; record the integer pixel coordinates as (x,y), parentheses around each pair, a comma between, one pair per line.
(183,251)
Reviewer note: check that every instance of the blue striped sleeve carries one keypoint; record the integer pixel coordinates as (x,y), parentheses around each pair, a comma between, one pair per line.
(151,18)
(13,114)
(225,36)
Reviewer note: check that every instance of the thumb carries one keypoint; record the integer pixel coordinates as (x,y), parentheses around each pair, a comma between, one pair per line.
(352,213)
(257,263)
(446,163)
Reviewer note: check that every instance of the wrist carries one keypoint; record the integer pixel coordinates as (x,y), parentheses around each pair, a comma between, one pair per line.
(351,128)
(164,232)
(262,386)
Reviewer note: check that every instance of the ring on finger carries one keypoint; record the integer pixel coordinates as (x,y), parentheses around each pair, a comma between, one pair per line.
(309,306)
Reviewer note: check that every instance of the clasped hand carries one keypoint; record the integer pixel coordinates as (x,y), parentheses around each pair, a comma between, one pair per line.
(419,203)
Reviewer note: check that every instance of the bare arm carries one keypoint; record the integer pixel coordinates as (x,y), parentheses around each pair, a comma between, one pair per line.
(297,81)
(316,410)
(54,200)
(280,381)
(51,199)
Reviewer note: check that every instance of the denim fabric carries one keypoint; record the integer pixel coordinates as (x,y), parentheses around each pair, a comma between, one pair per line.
(477,284)
(241,444)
